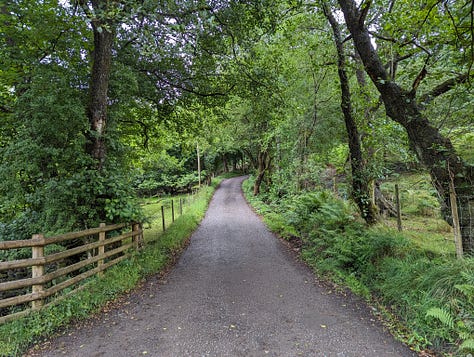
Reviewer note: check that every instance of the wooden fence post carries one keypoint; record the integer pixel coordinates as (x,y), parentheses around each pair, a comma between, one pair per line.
(136,236)
(163,218)
(180,206)
(172,210)
(456,226)
(399,208)
(141,242)
(37,271)
(101,249)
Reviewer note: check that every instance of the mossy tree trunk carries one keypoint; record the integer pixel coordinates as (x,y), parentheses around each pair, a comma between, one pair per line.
(360,181)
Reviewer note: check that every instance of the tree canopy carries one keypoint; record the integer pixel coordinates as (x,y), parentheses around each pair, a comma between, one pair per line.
(104,101)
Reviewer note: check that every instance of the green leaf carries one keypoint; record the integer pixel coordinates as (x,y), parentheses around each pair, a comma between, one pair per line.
(442,315)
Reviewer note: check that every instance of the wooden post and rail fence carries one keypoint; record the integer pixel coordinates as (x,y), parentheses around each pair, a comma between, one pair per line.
(103,247)
(43,276)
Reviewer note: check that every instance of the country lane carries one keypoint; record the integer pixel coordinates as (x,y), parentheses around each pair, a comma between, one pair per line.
(237,290)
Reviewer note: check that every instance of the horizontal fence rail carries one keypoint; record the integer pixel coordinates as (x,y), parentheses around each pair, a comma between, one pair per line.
(82,255)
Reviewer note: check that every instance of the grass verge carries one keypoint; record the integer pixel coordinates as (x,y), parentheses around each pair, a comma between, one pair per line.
(428,297)
(17,336)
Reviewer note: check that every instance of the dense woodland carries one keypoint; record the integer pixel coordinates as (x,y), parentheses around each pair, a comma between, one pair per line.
(103,103)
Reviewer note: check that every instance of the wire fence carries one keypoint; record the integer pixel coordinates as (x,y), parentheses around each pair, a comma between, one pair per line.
(411,204)
(164,211)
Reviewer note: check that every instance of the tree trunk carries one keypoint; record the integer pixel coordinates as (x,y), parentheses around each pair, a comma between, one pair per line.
(434,151)
(99,85)
(263,165)
(360,180)
(224,162)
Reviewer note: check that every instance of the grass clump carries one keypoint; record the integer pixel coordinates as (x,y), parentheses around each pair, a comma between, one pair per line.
(431,294)
(17,336)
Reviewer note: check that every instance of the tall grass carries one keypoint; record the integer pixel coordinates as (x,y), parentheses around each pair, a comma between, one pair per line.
(431,294)
(17,336)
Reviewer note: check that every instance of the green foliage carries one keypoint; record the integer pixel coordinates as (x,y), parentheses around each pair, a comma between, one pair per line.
(417,195)
(467,346)
(271,66)
(47,181)
(463,140)
(39,168)
(17,336)
(432,295)
(442,315)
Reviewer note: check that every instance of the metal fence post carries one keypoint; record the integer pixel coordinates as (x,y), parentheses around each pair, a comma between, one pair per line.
(163,218)
(172,210)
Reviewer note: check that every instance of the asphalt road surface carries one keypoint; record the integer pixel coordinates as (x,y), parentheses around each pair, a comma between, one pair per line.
(236,291)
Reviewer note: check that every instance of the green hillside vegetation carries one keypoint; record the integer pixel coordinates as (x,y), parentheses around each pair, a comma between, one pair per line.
(417,287)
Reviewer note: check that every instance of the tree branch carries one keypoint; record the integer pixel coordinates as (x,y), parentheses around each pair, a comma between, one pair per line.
(392,4)
(364,11)
(389,39)
(419,78)
(145,128)
(189,90)
(444,87)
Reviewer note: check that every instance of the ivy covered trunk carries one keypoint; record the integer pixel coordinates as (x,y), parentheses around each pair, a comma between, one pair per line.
(434,151)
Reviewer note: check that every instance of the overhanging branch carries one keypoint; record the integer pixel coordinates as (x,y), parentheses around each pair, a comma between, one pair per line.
(191,90)
(444,87)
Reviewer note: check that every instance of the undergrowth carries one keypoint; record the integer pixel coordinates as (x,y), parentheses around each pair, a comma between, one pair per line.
(17,336)
(431,295)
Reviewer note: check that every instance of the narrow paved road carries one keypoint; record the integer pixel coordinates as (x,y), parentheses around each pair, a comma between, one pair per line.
(236,291)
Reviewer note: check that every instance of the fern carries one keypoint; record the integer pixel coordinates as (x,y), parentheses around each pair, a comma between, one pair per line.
(442,315)
(467,290)
(467,345)
(468,276)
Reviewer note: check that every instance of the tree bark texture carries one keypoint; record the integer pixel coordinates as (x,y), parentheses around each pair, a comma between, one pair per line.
(263,161)
(433,150)
(360,178)
(98,91)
